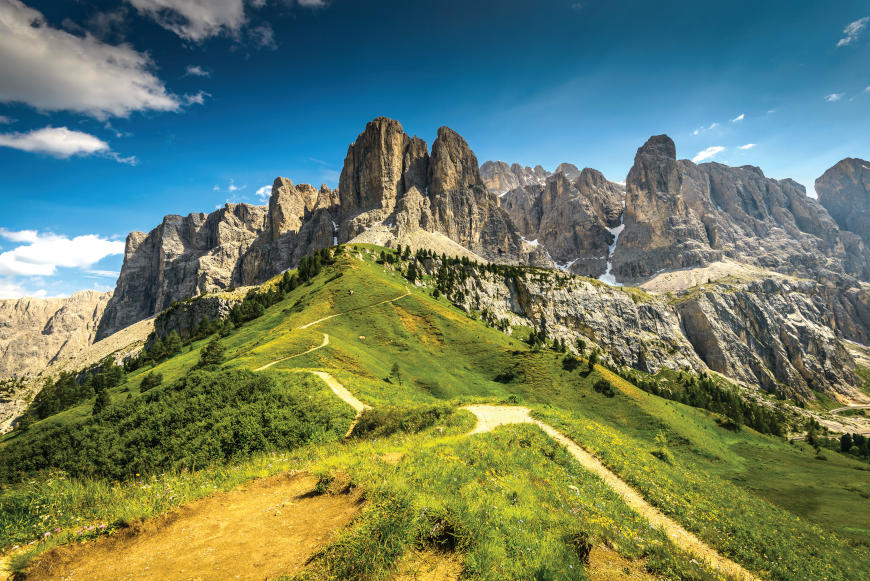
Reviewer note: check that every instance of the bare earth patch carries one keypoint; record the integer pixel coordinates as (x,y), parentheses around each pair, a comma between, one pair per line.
(429,565)
(605,564)
(263,530)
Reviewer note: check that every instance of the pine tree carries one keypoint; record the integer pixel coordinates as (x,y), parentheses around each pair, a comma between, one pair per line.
(212,353)
(102,402)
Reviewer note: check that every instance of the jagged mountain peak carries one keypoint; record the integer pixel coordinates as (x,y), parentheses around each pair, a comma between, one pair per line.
(658,145)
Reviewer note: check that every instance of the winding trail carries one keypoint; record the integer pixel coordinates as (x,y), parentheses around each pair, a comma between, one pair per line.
(321,346)
(850,407)
(312,323)
(490,417)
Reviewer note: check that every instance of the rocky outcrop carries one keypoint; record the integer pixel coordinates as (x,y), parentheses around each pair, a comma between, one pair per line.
(185,317)
(844,190)
(36,332)
(570,216)
(679,214)
(771,333)
(500,178)
(237,245)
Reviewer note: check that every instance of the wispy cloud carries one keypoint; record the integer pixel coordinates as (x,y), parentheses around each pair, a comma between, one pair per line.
(53,70)
(195,20)
(704,128)
(853,30)
(264,193)
(4,120)
(738,119)
(834,97)
(707,153)
(747,146)
(263,37)
(196,71)
(61,142)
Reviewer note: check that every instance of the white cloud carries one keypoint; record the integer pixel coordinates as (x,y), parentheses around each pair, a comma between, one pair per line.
(747,146)
(834,97)
(234,188)
(263,37)
(738,119)
(197,99)
(196,71)
(703,128)
(103,273)
(61,142)
(195,20)
(853,30)
(867,90)
(42,253)
(264,193)
(312,3)
(53,70)
(10,289)
(707,153)
(4,120)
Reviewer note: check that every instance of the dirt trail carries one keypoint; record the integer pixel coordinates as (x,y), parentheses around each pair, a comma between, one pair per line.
(849,407)
(321,346)
(312,323)
(264,530)
(489,417)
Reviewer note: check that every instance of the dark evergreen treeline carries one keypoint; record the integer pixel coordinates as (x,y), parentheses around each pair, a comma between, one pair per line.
(704,392)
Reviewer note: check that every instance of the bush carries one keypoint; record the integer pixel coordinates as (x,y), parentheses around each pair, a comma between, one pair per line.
(381,422)
(205,418)
(212,353)
(604,387)
(150,380)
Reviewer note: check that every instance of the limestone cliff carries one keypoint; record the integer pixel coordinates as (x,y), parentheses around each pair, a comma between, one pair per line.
(844,190)
(571,216)
(38,331)
(679,214)
(770,333)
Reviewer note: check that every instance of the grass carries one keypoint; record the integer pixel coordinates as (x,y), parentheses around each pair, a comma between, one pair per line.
(770,505)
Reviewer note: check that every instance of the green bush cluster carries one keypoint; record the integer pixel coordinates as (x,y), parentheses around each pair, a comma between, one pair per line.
(380,422)
(199,420)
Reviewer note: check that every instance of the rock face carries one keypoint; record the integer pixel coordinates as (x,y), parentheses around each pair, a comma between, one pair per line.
(679,214)
(570,216)
(237,245)
(844,190)
(36,332)
(391,181)
(500,178)
(772,333)
(783,334)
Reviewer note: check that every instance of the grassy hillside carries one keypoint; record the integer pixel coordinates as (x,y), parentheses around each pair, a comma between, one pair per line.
(512,504)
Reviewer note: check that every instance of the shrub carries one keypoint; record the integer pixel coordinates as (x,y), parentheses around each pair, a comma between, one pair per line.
(604,387)
(377,423)
(150,380)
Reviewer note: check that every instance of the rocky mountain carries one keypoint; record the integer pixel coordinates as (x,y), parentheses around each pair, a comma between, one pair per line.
(36,332)
(500,178)
(389,181)
(780,332)
(773,333)
(844,190)
(571,215)
(679,214)
(237,245)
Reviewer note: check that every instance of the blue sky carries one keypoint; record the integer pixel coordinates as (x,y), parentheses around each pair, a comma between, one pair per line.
(115,113)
